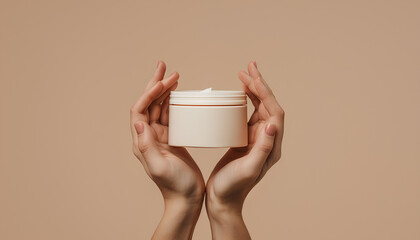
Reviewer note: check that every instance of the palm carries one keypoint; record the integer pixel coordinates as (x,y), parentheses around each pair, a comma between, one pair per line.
(172,168)
(237,172)
(180,173)
(231,173)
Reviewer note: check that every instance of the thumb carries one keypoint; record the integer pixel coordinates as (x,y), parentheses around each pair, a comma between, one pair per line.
(264,144)
(146,140)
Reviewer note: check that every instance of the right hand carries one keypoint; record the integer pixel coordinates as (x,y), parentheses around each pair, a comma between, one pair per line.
(240,169)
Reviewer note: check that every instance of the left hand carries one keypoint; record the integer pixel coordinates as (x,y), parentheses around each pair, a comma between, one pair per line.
(172,168)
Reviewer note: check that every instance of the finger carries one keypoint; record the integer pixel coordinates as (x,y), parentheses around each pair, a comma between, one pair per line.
(154,113)
(164,116)
(251,96)
(155,107)
(158,74)
(147,98)
(276,152)
(263,146)
(254,118)
(139,156)
(267,97)
(248,82)
(137,111)
(253,71)
(168,83)
(146,141)
(264,91)
(274,155)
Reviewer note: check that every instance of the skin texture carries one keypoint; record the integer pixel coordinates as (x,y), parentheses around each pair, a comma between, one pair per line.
(171,168)
(240,169)
(177,175)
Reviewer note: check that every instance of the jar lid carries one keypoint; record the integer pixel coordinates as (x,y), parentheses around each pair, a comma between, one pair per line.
(208,97)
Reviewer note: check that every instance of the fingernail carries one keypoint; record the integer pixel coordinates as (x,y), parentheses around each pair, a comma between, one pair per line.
(172,74)
(139,127)
(158,64)
(270,129)
(255,63)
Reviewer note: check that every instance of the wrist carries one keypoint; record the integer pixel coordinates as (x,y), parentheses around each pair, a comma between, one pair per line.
(226,219)
(192,194)
(179,218)
(223,210)
(186,205)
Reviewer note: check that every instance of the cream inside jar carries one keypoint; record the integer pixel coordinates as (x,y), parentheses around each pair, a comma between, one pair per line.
(208,118)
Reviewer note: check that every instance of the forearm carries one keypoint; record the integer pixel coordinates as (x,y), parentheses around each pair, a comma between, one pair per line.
(178,221)
(226,221)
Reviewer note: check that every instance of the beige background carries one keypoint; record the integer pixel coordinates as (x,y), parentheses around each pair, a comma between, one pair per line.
(346,72)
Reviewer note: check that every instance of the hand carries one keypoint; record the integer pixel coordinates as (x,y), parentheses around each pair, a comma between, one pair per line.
(171,168)
(240,169)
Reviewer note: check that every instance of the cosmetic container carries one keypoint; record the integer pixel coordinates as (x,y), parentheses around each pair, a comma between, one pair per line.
(208,118)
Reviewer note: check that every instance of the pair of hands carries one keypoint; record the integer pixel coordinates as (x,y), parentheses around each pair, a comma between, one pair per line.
(179,178)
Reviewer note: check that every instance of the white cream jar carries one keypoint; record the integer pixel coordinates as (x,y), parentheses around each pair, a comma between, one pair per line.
(208,118)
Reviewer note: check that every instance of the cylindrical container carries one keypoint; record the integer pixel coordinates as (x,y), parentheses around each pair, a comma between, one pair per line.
(208,118)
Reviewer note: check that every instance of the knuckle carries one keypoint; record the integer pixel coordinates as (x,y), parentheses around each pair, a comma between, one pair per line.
(148,96)
(278,114)
(266,148)
(282,112)
(143,148)
(132,110)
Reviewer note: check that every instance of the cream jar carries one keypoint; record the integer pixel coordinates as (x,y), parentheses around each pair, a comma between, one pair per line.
(208,118)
